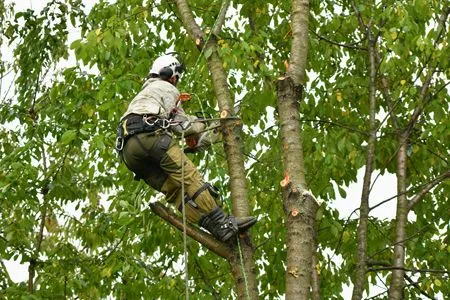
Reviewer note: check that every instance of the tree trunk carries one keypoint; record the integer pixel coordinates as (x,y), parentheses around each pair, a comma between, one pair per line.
(397,281)
(300,210)
(232,141)
(361,258)
(242,264)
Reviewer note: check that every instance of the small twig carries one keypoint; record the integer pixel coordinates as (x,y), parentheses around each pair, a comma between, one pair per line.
(420,231)
(349,46)
(414,284)
(5,272)
(116,245)
(389,268)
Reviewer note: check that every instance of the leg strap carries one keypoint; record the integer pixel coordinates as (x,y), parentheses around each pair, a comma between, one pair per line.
(191,201)
(206,186)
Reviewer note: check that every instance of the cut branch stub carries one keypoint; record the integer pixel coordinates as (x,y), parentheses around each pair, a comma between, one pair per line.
(224,114)
(293,271)
(199,42)
(286,180)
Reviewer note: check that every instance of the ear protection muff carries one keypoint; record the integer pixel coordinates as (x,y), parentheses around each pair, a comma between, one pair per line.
(181,67)
(165,73)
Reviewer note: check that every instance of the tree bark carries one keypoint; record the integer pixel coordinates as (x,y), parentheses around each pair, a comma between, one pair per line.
(397,281)
(300,210)
(35,257)
(245,277)
(361,258)
(315,290)
(396,288)
(202,237)
(232,141)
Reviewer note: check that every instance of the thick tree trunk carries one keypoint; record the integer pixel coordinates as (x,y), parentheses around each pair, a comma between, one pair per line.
(300,210)
(232,141)
(242,255)
(397,281)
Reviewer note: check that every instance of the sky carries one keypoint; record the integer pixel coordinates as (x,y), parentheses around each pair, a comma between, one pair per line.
(384,188)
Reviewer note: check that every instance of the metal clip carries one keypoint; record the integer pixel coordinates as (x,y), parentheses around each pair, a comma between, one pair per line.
(165,123)
(146,120)
(119,143)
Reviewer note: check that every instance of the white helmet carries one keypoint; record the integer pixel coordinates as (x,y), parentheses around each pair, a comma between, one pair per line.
(167,66)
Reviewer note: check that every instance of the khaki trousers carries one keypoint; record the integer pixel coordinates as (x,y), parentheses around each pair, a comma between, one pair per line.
(157,160)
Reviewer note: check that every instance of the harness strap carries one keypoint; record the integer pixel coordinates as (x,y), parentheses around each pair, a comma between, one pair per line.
(200,190)
(134,124)
(191,200)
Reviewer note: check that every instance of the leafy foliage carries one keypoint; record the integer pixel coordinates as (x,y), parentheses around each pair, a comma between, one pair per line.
(69,205)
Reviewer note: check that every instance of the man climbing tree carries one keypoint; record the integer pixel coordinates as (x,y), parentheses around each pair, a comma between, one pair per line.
(146,145)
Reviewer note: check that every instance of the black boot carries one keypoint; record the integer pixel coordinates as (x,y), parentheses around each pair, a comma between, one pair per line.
(221,226)
(244,223)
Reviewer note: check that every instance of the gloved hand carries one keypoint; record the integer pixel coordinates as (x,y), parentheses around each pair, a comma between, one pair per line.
(204,139)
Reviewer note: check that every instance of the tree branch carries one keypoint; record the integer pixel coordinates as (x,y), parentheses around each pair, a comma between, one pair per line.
(419,109)
(441,177)
(387,96)
(221,17)
(192,27)
(421,230)
(421,194)
(348,127)
(5,272)
(40,237)
(361,265)
(202,237)
(390,268)
(349,46)
(414,284)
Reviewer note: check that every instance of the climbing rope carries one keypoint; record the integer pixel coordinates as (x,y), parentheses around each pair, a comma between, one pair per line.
(186,276)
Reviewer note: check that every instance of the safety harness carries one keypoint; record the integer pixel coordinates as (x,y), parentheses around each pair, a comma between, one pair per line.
(134,124)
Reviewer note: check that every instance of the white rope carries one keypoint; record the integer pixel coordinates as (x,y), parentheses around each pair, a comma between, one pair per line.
(186,276)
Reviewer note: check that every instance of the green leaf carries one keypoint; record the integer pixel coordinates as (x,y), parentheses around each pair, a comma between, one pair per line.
(208,53)
(68,136)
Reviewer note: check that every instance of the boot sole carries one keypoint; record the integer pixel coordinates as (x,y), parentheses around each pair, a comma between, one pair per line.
(245,226)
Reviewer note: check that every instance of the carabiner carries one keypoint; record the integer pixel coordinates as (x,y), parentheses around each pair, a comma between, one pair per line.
(165,123)
(119,143)
(145,119)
